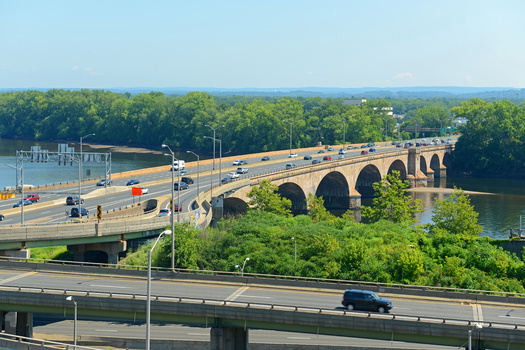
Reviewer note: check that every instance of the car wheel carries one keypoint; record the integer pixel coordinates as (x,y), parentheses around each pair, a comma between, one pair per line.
(381,310)
(350,307)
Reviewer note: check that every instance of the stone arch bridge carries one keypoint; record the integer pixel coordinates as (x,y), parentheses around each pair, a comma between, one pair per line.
(343,182)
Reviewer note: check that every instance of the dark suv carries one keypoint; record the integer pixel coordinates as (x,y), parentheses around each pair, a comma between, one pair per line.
(187,180)
(365,300)
(73,200)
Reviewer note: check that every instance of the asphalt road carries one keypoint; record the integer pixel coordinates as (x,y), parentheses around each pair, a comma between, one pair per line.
(57,213)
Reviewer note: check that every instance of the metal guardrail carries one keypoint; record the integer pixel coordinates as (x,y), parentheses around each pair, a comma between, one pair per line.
(264,306)
(41,343)
(258,277)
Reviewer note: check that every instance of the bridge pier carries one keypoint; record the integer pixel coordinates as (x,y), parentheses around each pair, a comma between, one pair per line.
(354,199)
(112,249)
(16,253)
(442,172)
(430,175)
(19,323)
(228,338)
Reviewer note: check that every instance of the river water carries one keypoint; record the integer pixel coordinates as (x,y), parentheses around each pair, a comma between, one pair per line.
(498,211)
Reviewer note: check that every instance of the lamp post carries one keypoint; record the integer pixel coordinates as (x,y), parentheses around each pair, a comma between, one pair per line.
(196,155)
(80,177)
(21,189)
(295,248)
(478,327)
(344,134)
(148,291)
(213,166)
(291,124)
(173,203)
(70,298)
(220,155)
(242,268)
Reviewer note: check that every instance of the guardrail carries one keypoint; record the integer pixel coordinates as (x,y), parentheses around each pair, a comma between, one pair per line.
(18,342)
(263,279)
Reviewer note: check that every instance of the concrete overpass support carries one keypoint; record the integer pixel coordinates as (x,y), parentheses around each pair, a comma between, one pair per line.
(354,199)
(19,323)
(442,172)
(112,249)
(16,253)
(228,338)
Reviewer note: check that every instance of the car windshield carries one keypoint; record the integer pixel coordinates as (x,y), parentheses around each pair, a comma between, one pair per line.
(374,296)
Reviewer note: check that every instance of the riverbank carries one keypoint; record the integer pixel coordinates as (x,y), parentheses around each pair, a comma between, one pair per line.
(445,191)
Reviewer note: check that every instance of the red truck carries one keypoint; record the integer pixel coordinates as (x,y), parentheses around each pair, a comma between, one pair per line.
(33,197)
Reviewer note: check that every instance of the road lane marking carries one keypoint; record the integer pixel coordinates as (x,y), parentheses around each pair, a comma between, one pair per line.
(237,293)
(107,286)
(477,312)
(14,278)
(105,330)
(516,317)
(254,296)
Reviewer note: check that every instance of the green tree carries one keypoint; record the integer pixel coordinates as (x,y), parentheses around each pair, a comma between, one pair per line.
(456,215)
(265,198)
(392,202)
(317,209)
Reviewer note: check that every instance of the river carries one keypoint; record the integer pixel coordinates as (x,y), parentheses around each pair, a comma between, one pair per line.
(500,204)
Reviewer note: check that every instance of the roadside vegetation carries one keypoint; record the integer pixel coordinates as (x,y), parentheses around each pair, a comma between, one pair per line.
(393,249)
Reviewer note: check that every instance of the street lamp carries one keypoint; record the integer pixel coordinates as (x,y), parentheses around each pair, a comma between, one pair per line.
(70,298)
(242,268)
(478,327)
(291,124)
(213,166)
(220,155)
(173,202)
(148,292)
(21,190)
(196,155)
(80,177)
(295,248)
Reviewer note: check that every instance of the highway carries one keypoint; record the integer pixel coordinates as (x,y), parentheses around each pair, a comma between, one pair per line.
(57,214)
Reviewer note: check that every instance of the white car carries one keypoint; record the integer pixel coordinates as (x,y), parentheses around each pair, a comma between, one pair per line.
(233,175)
(144,190)
(237,162)
(342,151)
(293,155)
(242,170)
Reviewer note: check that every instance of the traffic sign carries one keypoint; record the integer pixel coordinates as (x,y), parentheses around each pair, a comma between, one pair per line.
(99,212)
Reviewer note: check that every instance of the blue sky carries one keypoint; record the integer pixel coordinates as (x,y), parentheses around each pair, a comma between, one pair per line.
(261,44)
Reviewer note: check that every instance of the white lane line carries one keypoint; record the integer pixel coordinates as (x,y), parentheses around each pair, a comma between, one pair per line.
(299,338)
(106,286)
(254,296)
(236,294)
(14,278)
(477,312)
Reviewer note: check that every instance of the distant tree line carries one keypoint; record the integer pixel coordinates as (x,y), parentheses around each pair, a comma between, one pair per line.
(150,119)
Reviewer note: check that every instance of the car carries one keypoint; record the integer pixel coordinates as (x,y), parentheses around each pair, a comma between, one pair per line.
(73,200)
(321,151)
(407,145)
(265,158)
(33,197)
(370,144)
(341,156)
(2,217)
(183,172)
(290,166)
(316,161)
(242,170)
(239,162)
(364,146)
(372,150)
(357,299)
(307,158)
(330,149)
(394,143)
(293,155)
(144,190)
(442,141)
(187,180)
(103,182)
(327,158)
(424,143)
(350,147)
(233,175)
(182,185)
(435,140)
(19,204)
(418,144)
(364,152)
(177,207)
(75,212)
(164,212)
(226,180)
(399,145)
(132,182)
(342,151)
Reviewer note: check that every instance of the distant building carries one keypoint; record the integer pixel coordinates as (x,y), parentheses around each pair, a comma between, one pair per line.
(354,101)
(389,110)
(460,121)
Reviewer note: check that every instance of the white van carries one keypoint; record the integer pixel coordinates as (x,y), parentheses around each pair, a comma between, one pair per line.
(178,165)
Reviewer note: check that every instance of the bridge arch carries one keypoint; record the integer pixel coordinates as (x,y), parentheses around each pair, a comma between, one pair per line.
(435,163)
(398,165)
(335,191)
(367,176)
(296,195)
(423,165)
(233,206)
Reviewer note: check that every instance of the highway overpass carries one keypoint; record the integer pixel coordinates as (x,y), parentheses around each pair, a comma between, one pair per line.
(232,305)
